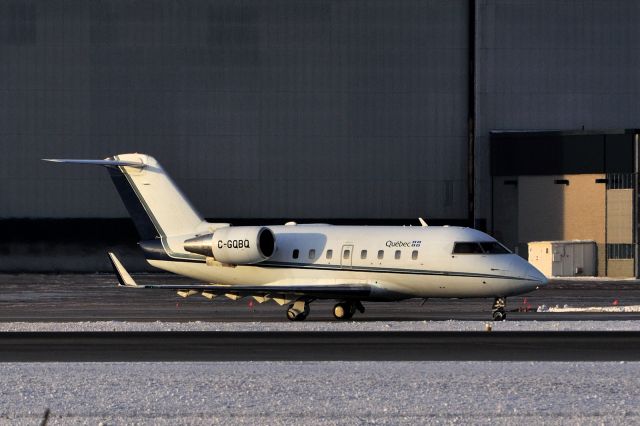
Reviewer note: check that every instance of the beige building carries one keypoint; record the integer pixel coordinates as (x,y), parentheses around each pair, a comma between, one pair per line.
(539,205)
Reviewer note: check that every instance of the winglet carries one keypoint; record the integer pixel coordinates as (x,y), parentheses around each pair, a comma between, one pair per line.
(422,222)
(121,273)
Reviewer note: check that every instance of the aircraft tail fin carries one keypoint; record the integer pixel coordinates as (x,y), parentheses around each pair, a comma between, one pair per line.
(157,206)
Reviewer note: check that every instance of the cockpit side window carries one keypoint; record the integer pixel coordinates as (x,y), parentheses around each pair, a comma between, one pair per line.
(467,248)
(479,248)
(494,248)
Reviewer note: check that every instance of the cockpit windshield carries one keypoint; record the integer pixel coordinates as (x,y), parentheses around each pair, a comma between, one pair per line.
(494,248)
(490,247)
(467,248)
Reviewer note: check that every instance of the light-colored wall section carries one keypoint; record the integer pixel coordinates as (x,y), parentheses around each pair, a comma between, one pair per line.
(550,211)
(620,216)
(584,208)
(620,268)
(541,256)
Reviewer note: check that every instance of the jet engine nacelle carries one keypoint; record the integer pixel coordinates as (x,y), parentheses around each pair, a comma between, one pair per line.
(238,245)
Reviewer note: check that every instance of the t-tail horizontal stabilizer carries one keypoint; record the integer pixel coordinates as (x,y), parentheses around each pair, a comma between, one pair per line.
(121,273)
(107,163)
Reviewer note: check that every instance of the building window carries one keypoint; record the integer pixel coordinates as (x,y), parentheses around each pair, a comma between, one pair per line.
(363,254)
(312,254)
(329,254)
(397,254)
(414,255)
(619,180)
(620,251)
(296,253)
(380,254)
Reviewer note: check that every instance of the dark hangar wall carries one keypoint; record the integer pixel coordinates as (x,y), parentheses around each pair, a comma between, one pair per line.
(279,109)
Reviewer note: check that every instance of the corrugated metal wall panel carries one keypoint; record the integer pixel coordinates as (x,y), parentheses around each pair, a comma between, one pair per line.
(258,109)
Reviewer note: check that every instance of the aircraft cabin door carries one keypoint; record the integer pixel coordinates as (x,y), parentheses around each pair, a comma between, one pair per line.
(346,256)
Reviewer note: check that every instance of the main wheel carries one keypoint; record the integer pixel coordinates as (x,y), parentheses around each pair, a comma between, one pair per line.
(499,315)
(343,311)
(295,315)
(292,314)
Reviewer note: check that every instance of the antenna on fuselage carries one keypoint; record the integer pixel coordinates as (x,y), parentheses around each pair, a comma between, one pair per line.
(422,222)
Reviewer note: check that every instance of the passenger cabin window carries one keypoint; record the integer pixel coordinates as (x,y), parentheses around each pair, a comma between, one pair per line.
(329,254)
(363,254)
(397,254)
(380,254)
(296,253)
(346,254)
(312,254)
(479,248)
(414,255)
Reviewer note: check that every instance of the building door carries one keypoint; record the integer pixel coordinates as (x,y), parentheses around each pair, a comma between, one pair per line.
(557,269)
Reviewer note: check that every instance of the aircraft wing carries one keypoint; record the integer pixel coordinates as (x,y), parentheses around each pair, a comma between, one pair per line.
(320,291)
(333,291)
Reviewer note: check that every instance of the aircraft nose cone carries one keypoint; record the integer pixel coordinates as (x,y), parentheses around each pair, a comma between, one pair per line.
(533,273)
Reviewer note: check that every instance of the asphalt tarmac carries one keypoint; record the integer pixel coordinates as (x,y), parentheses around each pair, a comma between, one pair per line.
(95,297)
(319,346)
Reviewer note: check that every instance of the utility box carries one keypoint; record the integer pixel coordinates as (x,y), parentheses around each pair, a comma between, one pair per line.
(576,258)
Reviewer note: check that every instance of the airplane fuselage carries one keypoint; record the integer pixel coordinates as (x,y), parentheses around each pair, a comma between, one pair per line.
(397,262)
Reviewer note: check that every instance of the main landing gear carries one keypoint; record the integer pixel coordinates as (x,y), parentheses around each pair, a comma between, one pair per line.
(497,310)
(345,310)
(298,311)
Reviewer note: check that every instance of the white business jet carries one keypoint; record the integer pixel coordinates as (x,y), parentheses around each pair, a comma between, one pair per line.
(295,264)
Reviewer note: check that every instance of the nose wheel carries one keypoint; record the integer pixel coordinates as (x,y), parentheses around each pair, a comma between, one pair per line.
(498,311)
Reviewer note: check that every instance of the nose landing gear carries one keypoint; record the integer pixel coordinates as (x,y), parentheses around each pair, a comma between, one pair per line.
(345,310)
(498,309)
